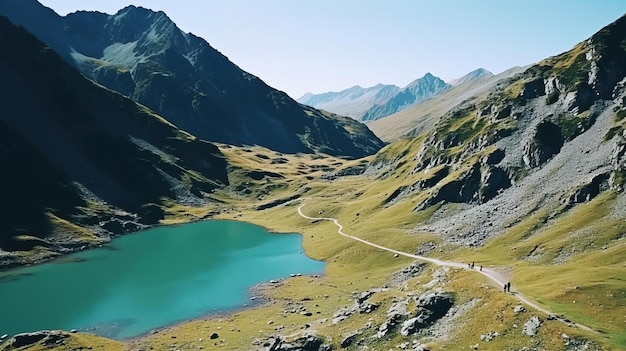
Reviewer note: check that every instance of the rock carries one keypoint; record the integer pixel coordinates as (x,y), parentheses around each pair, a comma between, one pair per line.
(348,340)
(411,326)
(489,337)
(306,313)
(589,190)
(3,336)
(533,89)
(519,309)
(47,337)
(368,307)
(214,336)
(303,342)
(438,303)
(546,143)
(531,327)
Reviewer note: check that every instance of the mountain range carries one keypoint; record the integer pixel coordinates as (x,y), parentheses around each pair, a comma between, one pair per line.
(379,101)
(143,55)
(522,173)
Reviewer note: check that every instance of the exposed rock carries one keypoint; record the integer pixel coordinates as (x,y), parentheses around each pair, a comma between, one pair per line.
(589,190)
(504,113)
(493,179)
(304,342)
(411,326)
(214,336)
(533,89)
(531,327)
(348,340)
(546,143)
(463,189)
(494,158)
(519,309)
(47,338)
(434,305)
(489,336)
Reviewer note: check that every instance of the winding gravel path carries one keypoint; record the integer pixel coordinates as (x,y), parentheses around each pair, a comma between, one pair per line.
(496,277)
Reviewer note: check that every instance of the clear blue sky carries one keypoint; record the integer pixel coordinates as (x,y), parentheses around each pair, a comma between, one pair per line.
(301,46)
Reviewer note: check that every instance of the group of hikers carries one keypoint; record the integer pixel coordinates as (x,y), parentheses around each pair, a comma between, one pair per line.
(507,286)
(471,265)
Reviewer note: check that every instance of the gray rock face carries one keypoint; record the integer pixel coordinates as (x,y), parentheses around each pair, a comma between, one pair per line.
(546,143)
(531,327)
(430,308)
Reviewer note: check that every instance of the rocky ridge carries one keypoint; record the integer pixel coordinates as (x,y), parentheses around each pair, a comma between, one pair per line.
(519,149)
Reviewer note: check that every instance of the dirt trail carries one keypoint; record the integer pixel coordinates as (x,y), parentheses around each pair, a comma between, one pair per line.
(498,278)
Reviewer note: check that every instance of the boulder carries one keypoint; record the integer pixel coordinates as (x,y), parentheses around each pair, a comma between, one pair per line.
(531,327)
(348,340)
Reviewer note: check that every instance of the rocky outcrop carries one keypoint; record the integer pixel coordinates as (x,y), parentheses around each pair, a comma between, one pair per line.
(463,189)
(43,337)
(431,307)
(303,342)
(590,190)
(531,327)
(546,143)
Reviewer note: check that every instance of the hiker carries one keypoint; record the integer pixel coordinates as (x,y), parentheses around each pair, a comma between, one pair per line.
(481,268)
(472,265)
(504,287)
(508,286)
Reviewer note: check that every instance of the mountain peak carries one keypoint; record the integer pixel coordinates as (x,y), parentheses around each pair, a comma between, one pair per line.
(477,73)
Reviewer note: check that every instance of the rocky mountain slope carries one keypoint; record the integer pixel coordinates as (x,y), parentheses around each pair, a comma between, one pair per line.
(143,55)
(418,90)
(352,102)
(83,163)
(422,117)
(547,140)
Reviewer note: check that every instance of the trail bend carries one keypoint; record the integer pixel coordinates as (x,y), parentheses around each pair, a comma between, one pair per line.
(496,277)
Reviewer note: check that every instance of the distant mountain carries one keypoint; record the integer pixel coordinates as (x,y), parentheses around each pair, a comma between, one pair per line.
(143,55)
(81,162)
(423,116)
(471,76)
(418,90)
(352,102)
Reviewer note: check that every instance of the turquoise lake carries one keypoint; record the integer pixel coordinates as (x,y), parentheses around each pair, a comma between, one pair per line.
(150,279)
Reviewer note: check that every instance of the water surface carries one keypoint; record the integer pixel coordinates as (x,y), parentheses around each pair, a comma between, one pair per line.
(150,279)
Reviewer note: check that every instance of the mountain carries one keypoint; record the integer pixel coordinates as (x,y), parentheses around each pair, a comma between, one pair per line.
(538,145)
(83,163)
(143,55)
(422,117)
(418,90)
(477,73)
(352,102)
(525,177)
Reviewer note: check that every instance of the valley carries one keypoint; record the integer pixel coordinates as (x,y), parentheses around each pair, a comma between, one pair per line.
(419,217)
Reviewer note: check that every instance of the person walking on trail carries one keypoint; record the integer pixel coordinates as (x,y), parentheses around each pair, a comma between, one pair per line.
(508,286)
(481,268)
(505,287)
